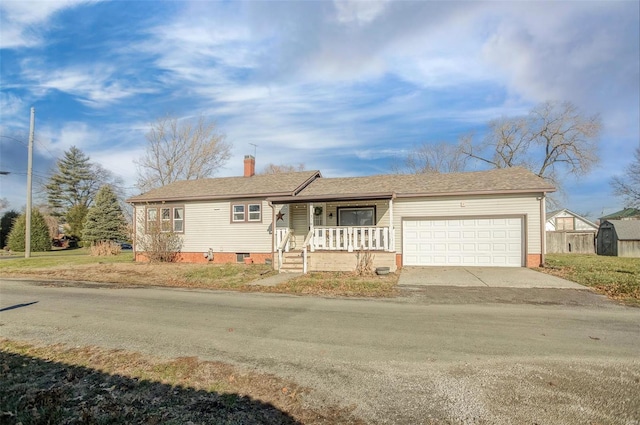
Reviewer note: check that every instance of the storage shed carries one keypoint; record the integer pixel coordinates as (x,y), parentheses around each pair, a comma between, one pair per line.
(620,238)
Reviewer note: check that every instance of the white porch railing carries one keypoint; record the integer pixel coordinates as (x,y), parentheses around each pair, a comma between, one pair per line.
(282,242)
(282,233)
(369,238)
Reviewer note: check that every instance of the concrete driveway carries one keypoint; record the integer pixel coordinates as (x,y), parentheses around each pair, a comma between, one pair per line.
(493,277)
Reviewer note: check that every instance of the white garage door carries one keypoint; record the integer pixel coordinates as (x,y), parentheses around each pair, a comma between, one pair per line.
(463,242)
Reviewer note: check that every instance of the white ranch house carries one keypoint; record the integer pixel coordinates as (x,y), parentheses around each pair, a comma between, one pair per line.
(302,221)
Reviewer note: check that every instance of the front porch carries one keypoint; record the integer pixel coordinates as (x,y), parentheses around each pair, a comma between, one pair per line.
(334,236)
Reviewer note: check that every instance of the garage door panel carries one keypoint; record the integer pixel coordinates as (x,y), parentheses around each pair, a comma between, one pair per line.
(479,242)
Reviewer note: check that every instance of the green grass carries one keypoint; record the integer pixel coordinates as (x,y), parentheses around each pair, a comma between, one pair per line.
(616,277)
(61,258)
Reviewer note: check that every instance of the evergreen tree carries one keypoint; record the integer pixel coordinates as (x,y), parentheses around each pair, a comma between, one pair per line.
(74,183)
(75,218)
(6,223)
(40,239)
(105,220)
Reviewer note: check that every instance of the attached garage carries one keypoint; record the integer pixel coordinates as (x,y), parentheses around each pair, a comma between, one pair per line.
(464,241)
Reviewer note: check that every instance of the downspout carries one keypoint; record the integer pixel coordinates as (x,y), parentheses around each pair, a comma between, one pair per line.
(543,233)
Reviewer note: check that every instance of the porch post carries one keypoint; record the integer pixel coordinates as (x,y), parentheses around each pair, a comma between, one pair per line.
(392,234)
(311,227)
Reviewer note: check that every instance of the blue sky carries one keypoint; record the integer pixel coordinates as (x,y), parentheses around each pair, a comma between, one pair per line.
(346,87)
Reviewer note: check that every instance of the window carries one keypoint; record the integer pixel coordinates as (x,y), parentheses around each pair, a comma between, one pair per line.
(238,213)
(244,213)
(564,223)
(178,220)
(356,216)
(254,212)
(170,218)
(240,256)
(152,219)
(165,219)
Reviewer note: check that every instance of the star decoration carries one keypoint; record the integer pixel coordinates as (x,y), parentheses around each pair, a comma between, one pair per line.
(280,216)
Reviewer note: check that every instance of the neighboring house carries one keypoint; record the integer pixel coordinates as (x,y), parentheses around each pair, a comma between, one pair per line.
(625,214)
(619,238)
(568,232)
(486,218)
(565,220)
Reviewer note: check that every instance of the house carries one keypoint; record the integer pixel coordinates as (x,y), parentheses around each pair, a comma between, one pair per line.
(619,238)
(565,220)
(568,232)
(625,214)
(302,221)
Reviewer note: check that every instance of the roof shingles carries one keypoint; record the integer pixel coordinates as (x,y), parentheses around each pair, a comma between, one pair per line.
(285,185)
(500,180)
(261,185)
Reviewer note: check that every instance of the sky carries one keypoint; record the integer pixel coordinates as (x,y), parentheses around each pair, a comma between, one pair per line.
(346,87)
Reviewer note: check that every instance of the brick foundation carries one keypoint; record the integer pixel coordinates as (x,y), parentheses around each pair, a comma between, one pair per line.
(398,261)
(218,257)
(534,260)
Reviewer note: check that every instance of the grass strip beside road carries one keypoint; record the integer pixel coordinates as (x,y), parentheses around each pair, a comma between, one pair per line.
(616,277)
(120,270)
(56,384)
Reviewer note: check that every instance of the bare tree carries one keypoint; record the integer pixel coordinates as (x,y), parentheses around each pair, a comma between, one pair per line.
(628,186)
(181,150)
(440,157)
(282,168)
(555,138)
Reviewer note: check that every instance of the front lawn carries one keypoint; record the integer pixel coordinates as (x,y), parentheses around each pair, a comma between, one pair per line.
(616,277)
(121,270)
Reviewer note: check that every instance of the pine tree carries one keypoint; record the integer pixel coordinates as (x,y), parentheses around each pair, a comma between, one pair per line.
(40,239)
(74,183)
(105,220)
(6,223)
(75,218)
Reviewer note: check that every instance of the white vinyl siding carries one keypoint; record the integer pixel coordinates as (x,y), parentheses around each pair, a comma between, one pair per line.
(207,225)
(497,205)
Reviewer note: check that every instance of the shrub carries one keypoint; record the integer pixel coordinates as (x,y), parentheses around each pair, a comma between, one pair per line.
(40,239)
(105,248)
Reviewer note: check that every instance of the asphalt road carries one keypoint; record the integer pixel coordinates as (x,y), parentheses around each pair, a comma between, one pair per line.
(445,356)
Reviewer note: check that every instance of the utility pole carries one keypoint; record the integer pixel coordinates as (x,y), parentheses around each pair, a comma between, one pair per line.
(27,236)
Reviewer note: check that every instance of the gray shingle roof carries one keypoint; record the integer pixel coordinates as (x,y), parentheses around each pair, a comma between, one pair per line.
(627,230)
(514,179)
(285,185)
(262,185)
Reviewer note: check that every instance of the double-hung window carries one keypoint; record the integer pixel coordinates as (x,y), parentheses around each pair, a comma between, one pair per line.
(166,218)
(246,212)
(239,213)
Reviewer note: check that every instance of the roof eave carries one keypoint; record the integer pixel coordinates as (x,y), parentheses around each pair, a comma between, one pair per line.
(330,197)
(475,192)
(136,200)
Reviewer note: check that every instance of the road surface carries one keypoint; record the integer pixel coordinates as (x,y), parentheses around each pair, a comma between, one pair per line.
(405,360)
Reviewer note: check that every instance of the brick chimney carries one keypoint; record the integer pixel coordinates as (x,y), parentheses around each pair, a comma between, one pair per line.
(249,166)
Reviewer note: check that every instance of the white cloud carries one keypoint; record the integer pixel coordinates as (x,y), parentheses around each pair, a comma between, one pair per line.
(94,85)
(360,12)
(22,22)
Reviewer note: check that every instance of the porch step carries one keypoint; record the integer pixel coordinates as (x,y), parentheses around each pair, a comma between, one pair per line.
(292,262)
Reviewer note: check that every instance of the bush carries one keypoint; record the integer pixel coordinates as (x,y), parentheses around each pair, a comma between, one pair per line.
(105,248)
(6,223)
(40,239)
